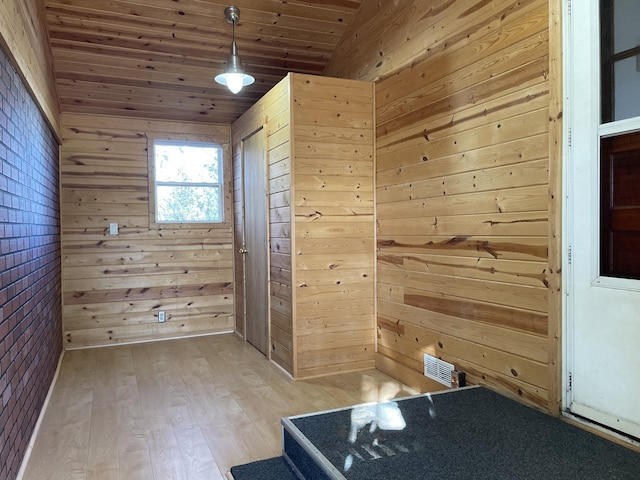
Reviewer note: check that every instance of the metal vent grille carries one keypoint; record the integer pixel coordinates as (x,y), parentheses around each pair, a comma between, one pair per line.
(438,370)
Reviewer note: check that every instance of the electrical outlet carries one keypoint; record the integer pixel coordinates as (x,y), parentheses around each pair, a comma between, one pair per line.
(162,317)
(113,229)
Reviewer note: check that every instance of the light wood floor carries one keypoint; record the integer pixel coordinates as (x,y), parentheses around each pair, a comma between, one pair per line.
(182,409)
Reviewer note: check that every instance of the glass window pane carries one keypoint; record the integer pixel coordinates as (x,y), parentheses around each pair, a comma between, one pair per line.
(187,163)
(626,18)
(620,206)
(626,88)
(187,204)
(620,59)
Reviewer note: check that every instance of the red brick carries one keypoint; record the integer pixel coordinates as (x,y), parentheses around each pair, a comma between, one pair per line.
(30,308)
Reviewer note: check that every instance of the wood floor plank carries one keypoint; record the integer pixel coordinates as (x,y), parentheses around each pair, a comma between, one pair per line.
(103,443)
(180,409)
(195,452)
(225,446)
(165,454)
(133,456)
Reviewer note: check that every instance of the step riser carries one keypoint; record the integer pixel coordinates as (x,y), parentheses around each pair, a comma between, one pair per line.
(300,460)
(304,458)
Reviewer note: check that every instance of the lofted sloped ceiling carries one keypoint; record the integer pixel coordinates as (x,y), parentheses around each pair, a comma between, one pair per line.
(157,58)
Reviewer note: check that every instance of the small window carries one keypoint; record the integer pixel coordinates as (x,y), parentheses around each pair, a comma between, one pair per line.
(620,206)
(188,182)
(620,58)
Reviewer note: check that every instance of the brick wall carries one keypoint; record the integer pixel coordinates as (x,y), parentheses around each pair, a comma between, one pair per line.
(30,306)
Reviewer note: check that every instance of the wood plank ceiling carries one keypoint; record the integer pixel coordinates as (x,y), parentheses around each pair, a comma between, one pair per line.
(157,58)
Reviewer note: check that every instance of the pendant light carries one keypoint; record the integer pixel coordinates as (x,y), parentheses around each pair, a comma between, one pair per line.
(234,77)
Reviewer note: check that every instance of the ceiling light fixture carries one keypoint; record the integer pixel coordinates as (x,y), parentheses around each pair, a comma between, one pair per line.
(234,77)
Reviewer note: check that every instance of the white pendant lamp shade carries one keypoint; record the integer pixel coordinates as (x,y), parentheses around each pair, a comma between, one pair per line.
(234,76)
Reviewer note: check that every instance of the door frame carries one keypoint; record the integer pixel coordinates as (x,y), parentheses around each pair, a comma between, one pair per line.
(244,242)
(263,128)
(592,89)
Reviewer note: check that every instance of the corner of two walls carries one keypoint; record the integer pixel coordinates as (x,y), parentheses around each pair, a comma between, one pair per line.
(273,114)
(115,285)
(319,153)
(333,225)
(466,221)
(30,286)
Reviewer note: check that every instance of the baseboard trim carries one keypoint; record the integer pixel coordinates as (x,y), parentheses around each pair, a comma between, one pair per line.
(151,340)
(281,368)
(32,440)
(330,373)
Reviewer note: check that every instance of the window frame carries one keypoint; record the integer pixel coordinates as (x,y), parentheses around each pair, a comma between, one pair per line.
(605,128)
(153,183)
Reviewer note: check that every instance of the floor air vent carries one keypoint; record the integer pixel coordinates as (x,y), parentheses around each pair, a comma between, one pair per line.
(438,370)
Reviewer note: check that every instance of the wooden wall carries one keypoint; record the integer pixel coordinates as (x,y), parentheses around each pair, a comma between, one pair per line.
(23,35)
(113,286)
(273,114)
(321,226)
(279,146)
(333,225)
(466,187)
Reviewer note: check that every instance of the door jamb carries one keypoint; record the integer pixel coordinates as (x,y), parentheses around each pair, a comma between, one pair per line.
(567,208)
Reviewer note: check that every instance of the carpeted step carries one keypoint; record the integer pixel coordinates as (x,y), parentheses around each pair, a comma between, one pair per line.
(466,434)
(271,469)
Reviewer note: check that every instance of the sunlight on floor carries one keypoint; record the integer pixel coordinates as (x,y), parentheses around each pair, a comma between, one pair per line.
(374,391)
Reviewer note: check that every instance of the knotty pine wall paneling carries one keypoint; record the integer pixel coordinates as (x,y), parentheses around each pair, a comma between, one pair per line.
(555,195)
(113,286)
(23,35)
(272,112)
(320,155)
(279,146)
(464,198)
(333,179)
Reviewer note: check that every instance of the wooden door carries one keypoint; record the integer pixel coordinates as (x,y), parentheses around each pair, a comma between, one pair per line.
(603,280)
(256,242)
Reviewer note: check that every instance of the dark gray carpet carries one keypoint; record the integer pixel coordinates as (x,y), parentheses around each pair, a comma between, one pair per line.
(271,469)
(472,434)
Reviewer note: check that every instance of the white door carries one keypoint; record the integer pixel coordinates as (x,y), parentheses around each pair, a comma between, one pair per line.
(602,351)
